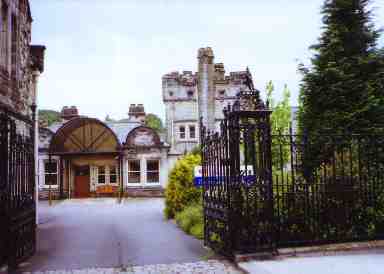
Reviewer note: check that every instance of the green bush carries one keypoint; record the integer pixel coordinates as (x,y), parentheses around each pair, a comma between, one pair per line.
(191,220)
(180,191)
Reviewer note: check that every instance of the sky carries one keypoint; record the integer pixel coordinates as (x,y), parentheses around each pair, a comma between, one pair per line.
(103,55)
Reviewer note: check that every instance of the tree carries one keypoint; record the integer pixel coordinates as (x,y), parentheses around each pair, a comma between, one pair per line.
(153,121)
(49,116)
(342,91)
(280,123)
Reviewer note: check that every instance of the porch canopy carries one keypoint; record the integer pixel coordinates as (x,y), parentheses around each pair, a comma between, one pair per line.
(84,136)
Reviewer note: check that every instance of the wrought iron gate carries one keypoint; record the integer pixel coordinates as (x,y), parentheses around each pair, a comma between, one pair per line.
(237,178)
(17,188)
(264,191)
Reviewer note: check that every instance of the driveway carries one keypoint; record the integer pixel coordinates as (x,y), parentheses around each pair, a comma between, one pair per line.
(77,234)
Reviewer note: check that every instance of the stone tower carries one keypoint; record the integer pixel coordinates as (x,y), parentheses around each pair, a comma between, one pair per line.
(206,87)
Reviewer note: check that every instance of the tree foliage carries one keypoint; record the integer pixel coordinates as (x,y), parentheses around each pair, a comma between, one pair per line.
(342,90)
(49,116)
(280,123)
(153,121)
(180,191)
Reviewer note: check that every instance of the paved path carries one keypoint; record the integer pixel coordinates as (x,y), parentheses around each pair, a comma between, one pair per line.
(78,234)
(368,262)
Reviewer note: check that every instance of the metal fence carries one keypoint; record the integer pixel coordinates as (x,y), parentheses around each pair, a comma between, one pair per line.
(328,188)
(262,191)
(17,182)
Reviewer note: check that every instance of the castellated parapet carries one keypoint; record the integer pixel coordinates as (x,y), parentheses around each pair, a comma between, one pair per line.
(189,95)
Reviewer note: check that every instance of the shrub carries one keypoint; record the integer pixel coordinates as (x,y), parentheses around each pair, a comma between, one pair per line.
(180,191)
(191,220)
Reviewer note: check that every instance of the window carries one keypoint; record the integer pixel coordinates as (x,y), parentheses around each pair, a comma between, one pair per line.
(14,47)
(171,93)
(192,132)
(134,172)
(222,93)
(4,34)
(190,93)
(153,171)
(182,132)
(101,175)
(112,174)
(50,169)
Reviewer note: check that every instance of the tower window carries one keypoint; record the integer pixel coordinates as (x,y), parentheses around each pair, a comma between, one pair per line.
(182,132)
(190,93)
(192,132)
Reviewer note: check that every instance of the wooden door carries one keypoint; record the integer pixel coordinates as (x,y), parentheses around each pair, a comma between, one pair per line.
(82,182)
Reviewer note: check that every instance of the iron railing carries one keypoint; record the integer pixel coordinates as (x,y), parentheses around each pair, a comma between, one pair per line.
(262,191)
(328,188)
(17,187)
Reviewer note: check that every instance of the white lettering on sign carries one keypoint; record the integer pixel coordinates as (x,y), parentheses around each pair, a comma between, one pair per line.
(245,170)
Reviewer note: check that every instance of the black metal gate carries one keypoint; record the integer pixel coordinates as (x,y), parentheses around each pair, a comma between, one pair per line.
(262,191)
(17,188)
(237,178)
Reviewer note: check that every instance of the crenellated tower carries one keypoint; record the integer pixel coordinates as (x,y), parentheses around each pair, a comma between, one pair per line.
(206,87)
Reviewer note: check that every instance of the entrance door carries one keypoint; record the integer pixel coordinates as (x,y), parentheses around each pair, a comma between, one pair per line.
(82,182)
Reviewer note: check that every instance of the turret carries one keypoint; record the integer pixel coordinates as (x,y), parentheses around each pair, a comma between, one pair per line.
(205,87)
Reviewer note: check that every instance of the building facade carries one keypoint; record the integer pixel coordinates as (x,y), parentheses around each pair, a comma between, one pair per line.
(20,62)
(85,157)
(187,96)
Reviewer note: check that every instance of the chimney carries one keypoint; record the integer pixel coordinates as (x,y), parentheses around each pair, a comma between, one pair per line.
(68,113)
(136,113)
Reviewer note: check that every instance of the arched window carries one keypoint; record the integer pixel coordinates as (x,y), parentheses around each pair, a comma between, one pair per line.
(4,35)
(14,48)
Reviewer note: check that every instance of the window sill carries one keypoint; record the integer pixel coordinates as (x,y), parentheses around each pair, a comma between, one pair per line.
(45,187)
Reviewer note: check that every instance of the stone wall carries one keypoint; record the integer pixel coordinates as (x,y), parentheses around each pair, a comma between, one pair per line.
(188,96)
(19,60)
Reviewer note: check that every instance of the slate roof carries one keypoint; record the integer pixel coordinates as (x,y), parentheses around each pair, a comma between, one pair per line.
(122,129)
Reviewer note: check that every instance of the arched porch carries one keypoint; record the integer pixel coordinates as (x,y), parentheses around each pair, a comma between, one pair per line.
(84,160)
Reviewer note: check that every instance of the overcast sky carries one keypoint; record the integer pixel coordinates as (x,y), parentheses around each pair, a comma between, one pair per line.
(103,55)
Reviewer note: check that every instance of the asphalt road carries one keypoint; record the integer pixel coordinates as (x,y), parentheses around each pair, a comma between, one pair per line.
(77,234)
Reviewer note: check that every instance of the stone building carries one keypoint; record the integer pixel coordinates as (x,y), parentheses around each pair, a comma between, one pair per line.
(20,62)
(190,95)
(85,157)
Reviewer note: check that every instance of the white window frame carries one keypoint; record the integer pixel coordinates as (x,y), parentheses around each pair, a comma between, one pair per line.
(185,132)
(57,174)
(146,172)
(189,131)
(140,172)
(107,175)
(117,174)
(101,174)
